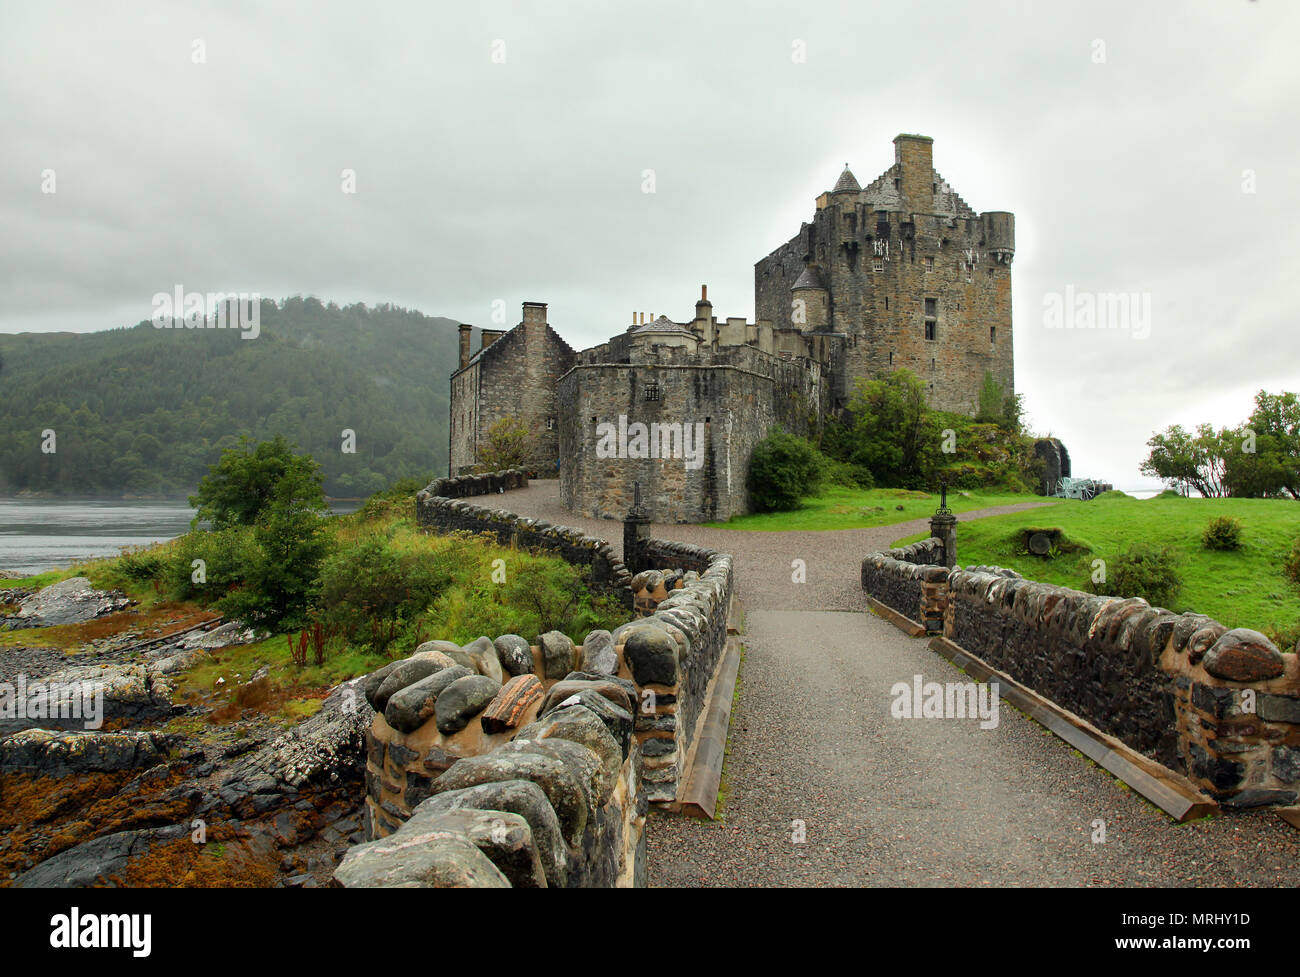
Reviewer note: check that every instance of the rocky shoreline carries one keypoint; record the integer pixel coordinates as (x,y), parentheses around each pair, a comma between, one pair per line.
(154,793)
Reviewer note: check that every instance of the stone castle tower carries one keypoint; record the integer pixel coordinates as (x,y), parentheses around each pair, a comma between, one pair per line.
(900,274)
(907,275)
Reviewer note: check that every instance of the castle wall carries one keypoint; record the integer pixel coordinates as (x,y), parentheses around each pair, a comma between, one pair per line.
(733,407)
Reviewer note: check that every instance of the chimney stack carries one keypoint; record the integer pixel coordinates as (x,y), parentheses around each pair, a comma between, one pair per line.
(464,344)
(915,158)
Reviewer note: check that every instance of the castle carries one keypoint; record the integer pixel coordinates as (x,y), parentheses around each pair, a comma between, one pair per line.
(901,273)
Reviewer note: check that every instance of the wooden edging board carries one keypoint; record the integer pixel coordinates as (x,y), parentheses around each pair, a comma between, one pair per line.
(698,795)
(1168,790)
(897,619)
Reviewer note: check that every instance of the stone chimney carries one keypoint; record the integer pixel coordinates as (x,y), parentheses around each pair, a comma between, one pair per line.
(534,315)
(464,344)
(914,156)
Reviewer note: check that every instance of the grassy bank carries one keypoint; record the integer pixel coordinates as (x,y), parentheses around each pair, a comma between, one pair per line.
(1241,588)
(837,507)
(489,589)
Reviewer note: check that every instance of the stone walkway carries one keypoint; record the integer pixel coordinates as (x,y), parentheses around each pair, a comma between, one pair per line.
(885,801)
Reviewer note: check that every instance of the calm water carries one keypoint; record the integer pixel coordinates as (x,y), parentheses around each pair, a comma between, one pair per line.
(37,535)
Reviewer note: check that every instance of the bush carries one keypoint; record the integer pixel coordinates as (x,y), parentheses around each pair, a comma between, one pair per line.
(369,590)
(1291,565)
(142,564)
(1223,533)
(227,555)
(1143,571)
(782,470)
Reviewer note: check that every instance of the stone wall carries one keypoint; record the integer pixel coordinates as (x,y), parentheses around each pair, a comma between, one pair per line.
(510,762)
(912,580)
(733,398)
(436,512)
(1220,706)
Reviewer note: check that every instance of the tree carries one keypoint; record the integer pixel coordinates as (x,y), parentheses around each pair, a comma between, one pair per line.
(894,433)
(1193,460)
(247,479)
(509,443)
(1267,460)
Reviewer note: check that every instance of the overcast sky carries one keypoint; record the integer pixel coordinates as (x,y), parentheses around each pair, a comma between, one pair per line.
(499,152)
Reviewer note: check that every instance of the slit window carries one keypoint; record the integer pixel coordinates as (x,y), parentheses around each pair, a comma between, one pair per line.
(931,318)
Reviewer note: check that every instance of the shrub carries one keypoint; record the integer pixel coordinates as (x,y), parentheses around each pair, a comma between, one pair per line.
(1143,571)
(369,589)
(227,555)
(782,470)
(1291,564)
(1223,533)
(142,564)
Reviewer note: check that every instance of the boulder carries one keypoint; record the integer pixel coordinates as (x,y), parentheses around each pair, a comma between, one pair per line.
(1243,655)
(462,700)
(620,722)
(598,654)
(554,777)
(410,708)
(559,657)
(521,797)
(510,703)
(565,688)
(583,726)
(71,601)
(484,655)
(419,860)
(405,673)
(651,654)
(58,754)
(505,838)
(515,655)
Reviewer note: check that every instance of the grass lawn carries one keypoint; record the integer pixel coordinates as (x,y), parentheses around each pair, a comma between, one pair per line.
(1242,588)
(838,507)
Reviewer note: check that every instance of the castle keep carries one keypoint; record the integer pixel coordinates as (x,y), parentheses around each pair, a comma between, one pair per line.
(899,274)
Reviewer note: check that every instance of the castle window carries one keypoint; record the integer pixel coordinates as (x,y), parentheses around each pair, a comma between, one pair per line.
(550,424)
(929,265)
(931,318)
(652,390)
(993,334)
(877,264)
(891,357)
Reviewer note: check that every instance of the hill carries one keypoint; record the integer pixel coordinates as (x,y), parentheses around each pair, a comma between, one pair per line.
(142,411)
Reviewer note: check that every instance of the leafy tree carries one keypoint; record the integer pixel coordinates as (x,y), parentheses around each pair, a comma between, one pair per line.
(248,479)
(281,582)
(1196,460)
(1267,460)
(509,443)
(782,470)
(894,433)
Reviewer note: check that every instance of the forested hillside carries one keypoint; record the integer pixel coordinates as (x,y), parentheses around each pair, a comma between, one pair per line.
(145,411)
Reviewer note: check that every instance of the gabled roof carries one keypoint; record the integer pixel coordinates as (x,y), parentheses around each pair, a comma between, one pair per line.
(662,325)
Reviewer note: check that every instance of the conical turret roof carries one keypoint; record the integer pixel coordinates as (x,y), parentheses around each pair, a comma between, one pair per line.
(847,181)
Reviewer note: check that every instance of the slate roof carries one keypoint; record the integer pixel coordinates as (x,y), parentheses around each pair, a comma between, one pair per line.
(811,278)
(847,181)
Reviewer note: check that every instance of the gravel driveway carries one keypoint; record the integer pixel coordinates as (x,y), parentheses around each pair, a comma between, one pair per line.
(895,802)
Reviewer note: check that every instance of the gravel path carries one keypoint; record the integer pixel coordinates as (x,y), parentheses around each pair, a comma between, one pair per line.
(895,802)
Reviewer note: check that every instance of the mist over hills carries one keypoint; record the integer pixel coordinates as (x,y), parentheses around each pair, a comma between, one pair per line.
(143,411)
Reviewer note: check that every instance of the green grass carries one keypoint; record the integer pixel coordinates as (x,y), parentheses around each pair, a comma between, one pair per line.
(1241,588)
(838,507)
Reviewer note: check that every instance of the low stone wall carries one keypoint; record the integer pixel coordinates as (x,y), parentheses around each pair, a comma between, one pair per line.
(1220,706)
(910,579)
(461,486)
(571,742)
(607,573)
